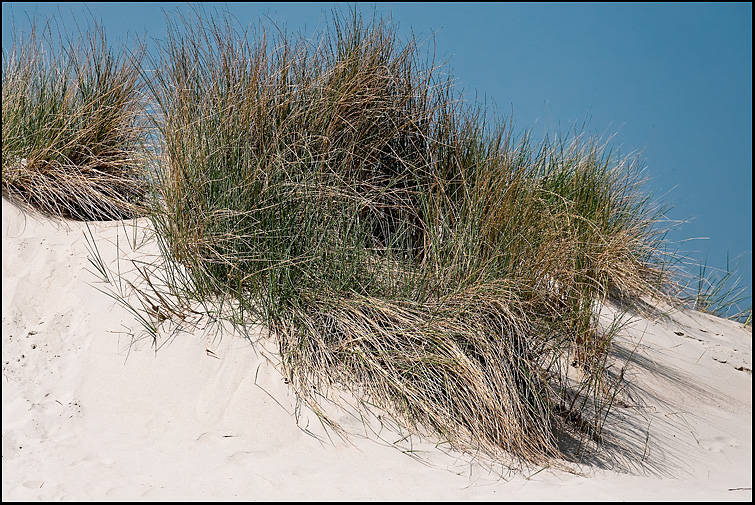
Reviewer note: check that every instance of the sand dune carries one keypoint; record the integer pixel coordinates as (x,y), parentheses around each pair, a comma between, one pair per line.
(92,412)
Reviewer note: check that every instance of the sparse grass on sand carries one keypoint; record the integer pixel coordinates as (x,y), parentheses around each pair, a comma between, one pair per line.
(717,292)
(397,242)
(73,124)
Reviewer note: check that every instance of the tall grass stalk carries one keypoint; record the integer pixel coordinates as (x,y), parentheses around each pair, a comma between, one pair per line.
(717,292)
(73,124)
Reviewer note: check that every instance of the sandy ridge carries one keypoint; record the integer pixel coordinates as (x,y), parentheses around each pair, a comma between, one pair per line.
(91,412)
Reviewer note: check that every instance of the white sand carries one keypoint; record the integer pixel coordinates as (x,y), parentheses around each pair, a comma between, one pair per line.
(90,414)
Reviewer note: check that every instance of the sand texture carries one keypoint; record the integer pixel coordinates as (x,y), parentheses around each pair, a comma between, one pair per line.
(91,411)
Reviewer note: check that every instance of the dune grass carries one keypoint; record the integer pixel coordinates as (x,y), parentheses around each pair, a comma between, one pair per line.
(718,292)
(73,124)
(396,241)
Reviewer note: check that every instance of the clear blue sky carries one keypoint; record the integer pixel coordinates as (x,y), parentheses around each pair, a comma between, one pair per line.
(671,80)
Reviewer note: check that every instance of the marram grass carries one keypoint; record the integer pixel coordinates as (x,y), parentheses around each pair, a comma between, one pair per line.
(72,125)
(394,242)
(397,242)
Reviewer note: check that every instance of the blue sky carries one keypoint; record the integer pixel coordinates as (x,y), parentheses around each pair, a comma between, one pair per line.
(671,80)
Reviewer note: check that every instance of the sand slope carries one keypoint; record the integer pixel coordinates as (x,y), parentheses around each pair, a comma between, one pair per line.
(92,412)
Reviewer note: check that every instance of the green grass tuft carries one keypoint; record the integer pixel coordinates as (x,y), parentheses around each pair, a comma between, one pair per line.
(73,125)
(396,243)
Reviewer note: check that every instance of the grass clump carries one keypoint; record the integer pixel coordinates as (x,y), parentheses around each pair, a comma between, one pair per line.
(73,124)
(397,242)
